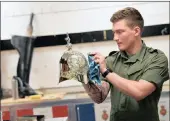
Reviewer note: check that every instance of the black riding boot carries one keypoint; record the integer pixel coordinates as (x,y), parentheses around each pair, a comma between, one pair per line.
(24,46)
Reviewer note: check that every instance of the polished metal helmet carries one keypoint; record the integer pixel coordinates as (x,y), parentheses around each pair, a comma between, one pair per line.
(73,64)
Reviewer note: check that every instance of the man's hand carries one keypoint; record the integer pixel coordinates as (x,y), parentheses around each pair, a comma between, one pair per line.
(100,59)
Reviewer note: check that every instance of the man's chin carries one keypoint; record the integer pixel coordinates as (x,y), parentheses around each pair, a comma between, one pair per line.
(121,49)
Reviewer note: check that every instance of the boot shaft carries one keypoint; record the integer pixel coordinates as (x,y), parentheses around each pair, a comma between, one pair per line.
(24,46)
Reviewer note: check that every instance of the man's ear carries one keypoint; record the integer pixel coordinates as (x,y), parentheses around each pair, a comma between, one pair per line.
(137,31)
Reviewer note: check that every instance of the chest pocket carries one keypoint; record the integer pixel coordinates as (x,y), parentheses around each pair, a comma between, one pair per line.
(134,72)
(127,103)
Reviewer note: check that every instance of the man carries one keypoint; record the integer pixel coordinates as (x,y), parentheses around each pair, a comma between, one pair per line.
(134,75)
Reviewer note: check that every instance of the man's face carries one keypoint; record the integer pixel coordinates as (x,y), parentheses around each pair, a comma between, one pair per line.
(123,35)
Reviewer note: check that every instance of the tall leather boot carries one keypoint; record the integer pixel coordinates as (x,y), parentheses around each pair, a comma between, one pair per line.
(24,46)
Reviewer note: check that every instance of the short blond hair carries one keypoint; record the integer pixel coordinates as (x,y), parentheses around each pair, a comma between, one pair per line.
(130,14)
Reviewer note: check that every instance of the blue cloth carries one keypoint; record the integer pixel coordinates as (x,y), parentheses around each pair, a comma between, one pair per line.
(94,71)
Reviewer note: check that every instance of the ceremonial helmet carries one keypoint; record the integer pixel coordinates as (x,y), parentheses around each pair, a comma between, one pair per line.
(73,64)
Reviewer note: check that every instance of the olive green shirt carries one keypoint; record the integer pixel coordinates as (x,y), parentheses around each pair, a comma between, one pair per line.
(149,64)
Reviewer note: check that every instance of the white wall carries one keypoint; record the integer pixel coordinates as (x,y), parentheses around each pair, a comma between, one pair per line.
(55,18)
(45,62)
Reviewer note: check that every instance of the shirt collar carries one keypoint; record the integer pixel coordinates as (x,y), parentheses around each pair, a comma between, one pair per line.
(138,56)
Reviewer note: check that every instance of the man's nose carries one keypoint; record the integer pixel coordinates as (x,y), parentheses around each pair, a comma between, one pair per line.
(115,37)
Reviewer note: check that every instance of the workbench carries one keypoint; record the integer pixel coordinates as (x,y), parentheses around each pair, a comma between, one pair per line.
(13,108)
(60,103)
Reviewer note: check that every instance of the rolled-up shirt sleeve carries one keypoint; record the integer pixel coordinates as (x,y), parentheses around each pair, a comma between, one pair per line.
(157,72)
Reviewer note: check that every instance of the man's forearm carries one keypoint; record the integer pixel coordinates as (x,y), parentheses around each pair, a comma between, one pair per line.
(129,87)
(96,92)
